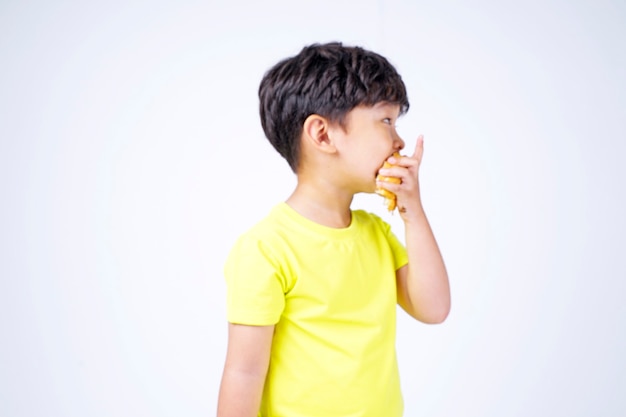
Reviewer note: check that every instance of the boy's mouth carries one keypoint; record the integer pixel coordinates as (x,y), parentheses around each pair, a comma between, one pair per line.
(395,155)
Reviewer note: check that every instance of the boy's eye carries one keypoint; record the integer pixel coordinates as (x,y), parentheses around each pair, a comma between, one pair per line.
(389,121)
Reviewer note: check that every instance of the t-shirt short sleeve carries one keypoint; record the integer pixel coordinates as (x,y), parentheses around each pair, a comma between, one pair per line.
(255,294)
(397,248)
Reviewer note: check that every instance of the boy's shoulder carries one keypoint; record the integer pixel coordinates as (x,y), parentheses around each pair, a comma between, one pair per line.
(278,224)
(370,219)
(365,215)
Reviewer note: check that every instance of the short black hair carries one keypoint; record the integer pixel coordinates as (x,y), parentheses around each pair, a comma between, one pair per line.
(325,79)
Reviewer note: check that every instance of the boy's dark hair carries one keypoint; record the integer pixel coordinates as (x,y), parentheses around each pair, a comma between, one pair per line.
(325,79)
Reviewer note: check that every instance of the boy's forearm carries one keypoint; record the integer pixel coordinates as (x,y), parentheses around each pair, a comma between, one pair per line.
(427,285)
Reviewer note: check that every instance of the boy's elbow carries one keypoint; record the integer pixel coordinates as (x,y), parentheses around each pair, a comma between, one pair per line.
(435,315)
(429,311)
(437,318)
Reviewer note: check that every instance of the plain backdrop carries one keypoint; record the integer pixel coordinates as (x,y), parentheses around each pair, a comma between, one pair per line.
(131,158)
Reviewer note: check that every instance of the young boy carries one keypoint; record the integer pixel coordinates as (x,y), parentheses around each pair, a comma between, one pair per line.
(313,287)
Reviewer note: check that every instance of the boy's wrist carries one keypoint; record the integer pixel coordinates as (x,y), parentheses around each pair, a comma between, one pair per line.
(412,215)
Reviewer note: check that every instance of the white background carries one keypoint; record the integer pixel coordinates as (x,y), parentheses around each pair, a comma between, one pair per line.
(131,157)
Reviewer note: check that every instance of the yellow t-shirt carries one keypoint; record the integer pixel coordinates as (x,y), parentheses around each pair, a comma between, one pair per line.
(332,295)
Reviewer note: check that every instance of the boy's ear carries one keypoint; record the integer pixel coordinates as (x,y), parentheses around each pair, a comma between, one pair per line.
(316,132)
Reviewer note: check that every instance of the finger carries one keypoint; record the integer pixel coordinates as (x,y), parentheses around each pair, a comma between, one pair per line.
(382,187)
(419,148)
(397,171)
(402,161)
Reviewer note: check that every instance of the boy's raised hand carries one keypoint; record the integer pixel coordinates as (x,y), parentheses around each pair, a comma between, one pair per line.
(407,192)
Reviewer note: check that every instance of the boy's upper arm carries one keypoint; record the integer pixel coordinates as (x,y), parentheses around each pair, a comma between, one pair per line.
(249,348)
(247,361)
(402,290)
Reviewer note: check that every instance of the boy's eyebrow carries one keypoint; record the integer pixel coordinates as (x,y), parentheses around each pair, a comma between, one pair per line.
(386,104)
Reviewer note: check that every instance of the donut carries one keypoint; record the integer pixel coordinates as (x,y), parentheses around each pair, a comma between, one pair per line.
(390,198)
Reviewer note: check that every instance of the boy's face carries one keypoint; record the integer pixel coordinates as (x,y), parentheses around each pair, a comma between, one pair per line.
(369,138)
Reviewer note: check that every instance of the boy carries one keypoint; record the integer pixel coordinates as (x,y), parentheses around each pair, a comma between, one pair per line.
(312,288)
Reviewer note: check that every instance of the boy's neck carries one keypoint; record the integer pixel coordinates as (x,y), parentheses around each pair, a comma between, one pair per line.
(322,204)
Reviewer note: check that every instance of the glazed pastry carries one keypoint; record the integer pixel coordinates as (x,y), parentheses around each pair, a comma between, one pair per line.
(390,198)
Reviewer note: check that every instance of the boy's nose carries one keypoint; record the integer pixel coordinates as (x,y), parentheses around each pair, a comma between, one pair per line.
(398,142)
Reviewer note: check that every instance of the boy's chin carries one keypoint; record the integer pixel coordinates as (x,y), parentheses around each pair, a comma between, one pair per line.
(371,190)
